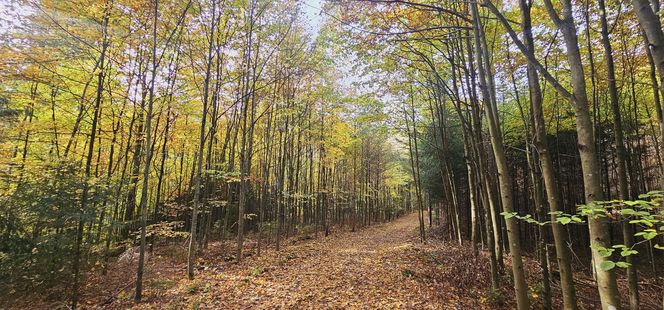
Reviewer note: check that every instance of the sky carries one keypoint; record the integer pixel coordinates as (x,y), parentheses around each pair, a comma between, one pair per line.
(311,10)
(9,10)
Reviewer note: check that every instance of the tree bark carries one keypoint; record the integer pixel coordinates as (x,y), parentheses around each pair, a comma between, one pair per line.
(505,180)
(548,170)
(191,250)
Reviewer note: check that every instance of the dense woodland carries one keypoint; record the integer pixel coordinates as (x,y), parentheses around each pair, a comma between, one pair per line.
(521,130)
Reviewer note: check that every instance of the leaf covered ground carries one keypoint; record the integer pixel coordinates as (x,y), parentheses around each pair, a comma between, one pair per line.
(380,267)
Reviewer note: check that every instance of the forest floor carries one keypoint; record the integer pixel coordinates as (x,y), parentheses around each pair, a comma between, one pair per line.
(379,267)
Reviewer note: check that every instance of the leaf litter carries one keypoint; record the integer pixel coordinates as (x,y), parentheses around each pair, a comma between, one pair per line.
(379,267)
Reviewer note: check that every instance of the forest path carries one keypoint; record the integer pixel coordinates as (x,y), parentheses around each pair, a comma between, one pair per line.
(380,266)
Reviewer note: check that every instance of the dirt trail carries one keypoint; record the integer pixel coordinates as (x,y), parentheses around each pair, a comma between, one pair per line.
(373,267)
(382,266)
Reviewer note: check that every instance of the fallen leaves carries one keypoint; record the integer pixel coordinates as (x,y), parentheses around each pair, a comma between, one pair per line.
(379,267)
(360,270)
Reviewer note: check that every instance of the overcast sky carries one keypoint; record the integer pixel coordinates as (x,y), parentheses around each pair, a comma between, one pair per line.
(312,14)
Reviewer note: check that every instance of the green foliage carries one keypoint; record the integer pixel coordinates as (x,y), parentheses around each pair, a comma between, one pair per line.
(607,265)
(166,230)
(564,218)
(646,212)
(529,218)
(38,225)
(257,271)
(432,158)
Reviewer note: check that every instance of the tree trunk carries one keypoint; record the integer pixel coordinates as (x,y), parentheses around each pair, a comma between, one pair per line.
(148,159)
(504,177)
(628,237)
(191,250)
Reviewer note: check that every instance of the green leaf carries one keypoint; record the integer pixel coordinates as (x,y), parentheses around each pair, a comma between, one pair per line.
(647,234)
(623,264)
(564,220)
(645,222)
(607,265)
(627,212)
(605,252)
(508,215)
(628,252)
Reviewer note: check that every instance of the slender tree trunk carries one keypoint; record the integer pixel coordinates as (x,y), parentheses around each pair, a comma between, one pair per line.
(191,250)
(599,231)
(247,129)
(649,20)
(628,237)
(504,177)
(148,159)
(88,163)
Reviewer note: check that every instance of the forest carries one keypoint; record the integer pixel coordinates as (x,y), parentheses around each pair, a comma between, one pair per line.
(331,154)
